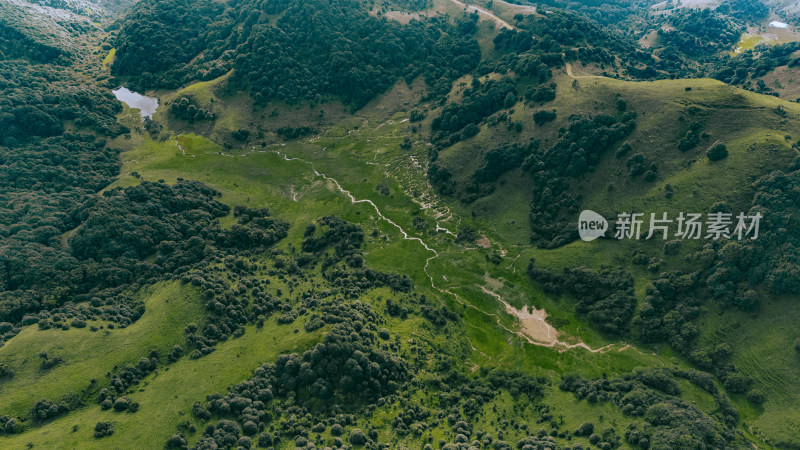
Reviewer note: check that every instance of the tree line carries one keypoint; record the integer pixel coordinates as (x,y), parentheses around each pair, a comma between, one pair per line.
(278,60)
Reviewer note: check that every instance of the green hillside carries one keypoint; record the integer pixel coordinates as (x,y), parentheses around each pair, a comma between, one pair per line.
(355,225)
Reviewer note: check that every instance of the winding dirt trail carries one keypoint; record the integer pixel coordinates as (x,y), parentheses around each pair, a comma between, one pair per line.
(571,74)
(487,14)
(534,328)
(180,147)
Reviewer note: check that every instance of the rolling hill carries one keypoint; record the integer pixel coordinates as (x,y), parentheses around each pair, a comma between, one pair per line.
(356,224)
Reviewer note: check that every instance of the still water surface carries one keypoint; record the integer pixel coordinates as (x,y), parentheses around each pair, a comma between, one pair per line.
(146,105)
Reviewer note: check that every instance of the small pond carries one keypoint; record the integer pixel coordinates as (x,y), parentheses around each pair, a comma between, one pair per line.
(146,105)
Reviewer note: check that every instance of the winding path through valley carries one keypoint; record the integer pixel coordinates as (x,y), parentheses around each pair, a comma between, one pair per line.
(533,327)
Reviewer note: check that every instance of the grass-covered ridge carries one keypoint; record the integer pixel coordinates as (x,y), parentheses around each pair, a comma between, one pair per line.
(88,355)
(272,267)
(297,195)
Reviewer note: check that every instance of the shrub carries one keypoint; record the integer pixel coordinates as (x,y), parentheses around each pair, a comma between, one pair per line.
(357,437)
(668,191)
(249,428)
(264,440)
(672,247)
(756,397)
(241,134)
(737,383)
(585,430)
(121,404)
(5,372)
(544,116)
(11,426)
(176,441)
(103,429)
(717,152)
(635,165)
(175,353)
(623,150)
(44,410)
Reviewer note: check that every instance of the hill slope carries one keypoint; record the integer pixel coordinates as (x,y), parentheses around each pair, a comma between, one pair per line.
(340,228)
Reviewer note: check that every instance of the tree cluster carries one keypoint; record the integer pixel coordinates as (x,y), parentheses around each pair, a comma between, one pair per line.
(652,394)
(605,297)
(290,133)
(502,159)
(344,267)
(479,102)
(47,175)
(544,116)
(346,370)
(187,109)
(749,11)
(752,64)
(122,379)
(700,32)
(45,410)
(577,151)
(168,44)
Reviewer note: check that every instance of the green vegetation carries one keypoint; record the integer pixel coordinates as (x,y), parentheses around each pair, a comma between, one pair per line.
(90,354)
(279,59)
(54,169)
(700,32)
(340,229)
(750,11)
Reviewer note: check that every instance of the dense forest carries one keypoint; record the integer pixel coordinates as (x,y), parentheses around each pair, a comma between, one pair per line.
(280,59)
(16,45)
(316,323)
(48,175)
